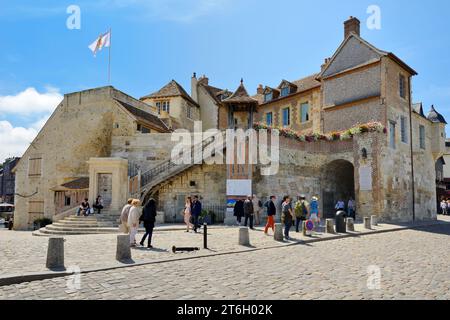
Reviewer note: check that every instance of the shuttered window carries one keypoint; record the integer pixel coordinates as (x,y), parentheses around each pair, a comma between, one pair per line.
(35,166)
(402,86)
(403,129)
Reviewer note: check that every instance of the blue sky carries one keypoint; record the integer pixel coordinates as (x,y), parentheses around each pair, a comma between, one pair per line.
(154,41)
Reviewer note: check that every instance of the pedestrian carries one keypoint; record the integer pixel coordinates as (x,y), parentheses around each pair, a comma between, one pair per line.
(124,216)
(340,206)
(448,207)
(287,216)
(239,211)
(257,207)
(84,208)
(149,218)
(187,213)
(271,213)
(249,211)
(133,221)
(314,215)
(196,212)
(351,208)
(98,204)
(444,207)
(301,210)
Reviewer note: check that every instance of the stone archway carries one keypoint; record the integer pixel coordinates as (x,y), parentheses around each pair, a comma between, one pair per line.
(338,183)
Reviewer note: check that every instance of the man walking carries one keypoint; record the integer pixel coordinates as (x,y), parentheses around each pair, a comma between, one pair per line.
(351,208)
(196,212)
(271,213)
(249,211)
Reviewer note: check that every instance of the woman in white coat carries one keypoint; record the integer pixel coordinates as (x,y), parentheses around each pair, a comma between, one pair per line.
(133,221)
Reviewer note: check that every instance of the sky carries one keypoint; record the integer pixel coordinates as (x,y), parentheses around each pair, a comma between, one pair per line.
(155,41)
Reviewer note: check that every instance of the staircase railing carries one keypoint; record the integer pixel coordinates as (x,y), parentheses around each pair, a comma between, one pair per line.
(167,166)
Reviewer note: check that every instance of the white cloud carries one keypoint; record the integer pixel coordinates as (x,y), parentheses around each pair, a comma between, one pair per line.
(30,101)
(15,140)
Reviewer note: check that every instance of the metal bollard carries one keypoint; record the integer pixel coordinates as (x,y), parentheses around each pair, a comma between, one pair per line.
(55,253)
(205,236)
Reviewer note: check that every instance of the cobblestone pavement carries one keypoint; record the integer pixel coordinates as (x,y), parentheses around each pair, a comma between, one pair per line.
(20,252)
(413,264)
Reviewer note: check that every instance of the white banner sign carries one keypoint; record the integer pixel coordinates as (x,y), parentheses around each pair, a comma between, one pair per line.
(239,187)
(365,178)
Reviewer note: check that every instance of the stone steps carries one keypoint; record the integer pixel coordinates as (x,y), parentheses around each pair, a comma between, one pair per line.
(78,225)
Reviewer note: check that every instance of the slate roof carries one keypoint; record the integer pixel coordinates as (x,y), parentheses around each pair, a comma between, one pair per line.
(435,116)
(240,96)
(417,108)
(172,89)
(146,117)
(77,184)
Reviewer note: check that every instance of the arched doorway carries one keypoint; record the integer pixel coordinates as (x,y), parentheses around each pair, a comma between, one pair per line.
(338,183)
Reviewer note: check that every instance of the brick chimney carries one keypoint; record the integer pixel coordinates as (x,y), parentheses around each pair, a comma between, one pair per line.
(352,25)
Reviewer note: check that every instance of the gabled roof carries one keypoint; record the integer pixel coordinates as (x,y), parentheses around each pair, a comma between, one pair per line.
(417,108)
(283,82)
(372,47)
(435,116)
(270,89)
(214,92)
(172,89)
(240,96)
(145,117)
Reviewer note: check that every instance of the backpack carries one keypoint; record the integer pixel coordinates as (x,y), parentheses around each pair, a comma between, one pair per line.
(300,210)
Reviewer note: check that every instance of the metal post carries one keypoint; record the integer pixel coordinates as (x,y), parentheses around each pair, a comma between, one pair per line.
(205,236)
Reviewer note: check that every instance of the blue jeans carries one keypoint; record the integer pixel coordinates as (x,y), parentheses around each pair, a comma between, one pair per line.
(287,227)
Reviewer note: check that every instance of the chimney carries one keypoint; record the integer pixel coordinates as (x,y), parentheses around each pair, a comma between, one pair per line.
(260,89)
(352,25)
(194,87)
(203,80)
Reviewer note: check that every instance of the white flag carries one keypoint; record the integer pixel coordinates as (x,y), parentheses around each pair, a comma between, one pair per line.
(103,40)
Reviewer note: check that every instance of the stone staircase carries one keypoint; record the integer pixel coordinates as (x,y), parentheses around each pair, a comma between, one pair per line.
(73,225)
(165,172)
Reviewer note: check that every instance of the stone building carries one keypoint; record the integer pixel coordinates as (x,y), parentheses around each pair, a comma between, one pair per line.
(7,181)
(349,130)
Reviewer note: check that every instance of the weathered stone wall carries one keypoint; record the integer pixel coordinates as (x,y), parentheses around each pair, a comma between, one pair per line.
(312,97)
(80,128)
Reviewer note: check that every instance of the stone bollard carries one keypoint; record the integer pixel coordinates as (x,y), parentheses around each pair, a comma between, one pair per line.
(55,253)
(123,251)
(350,224)
(374,220)
(367,224)
(278,235)
(329,226)
(304,231)
(244,237)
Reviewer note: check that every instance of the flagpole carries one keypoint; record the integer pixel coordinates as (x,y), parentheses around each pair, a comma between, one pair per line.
(109,60)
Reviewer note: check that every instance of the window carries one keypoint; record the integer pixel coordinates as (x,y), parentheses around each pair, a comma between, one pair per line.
(269,118)
(286,117)
(422,137)
(268,97)
(163,106)
(304,112)
(285,91)
(392,134)
(189,112)
(158,106)
(35,166)
(67,201)
(402,86)
(403,129)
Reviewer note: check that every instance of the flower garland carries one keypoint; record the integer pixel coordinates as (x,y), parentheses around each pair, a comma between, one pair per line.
(332,136)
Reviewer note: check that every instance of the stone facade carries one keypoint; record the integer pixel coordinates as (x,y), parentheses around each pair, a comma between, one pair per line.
(7,181)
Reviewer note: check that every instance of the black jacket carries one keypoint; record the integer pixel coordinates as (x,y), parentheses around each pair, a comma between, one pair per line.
(239,209)
(271,210)
(248,207)
(149,212)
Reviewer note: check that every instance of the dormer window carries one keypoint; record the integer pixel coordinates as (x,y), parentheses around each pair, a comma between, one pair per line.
(268,96)
(163,106)
(285,91)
